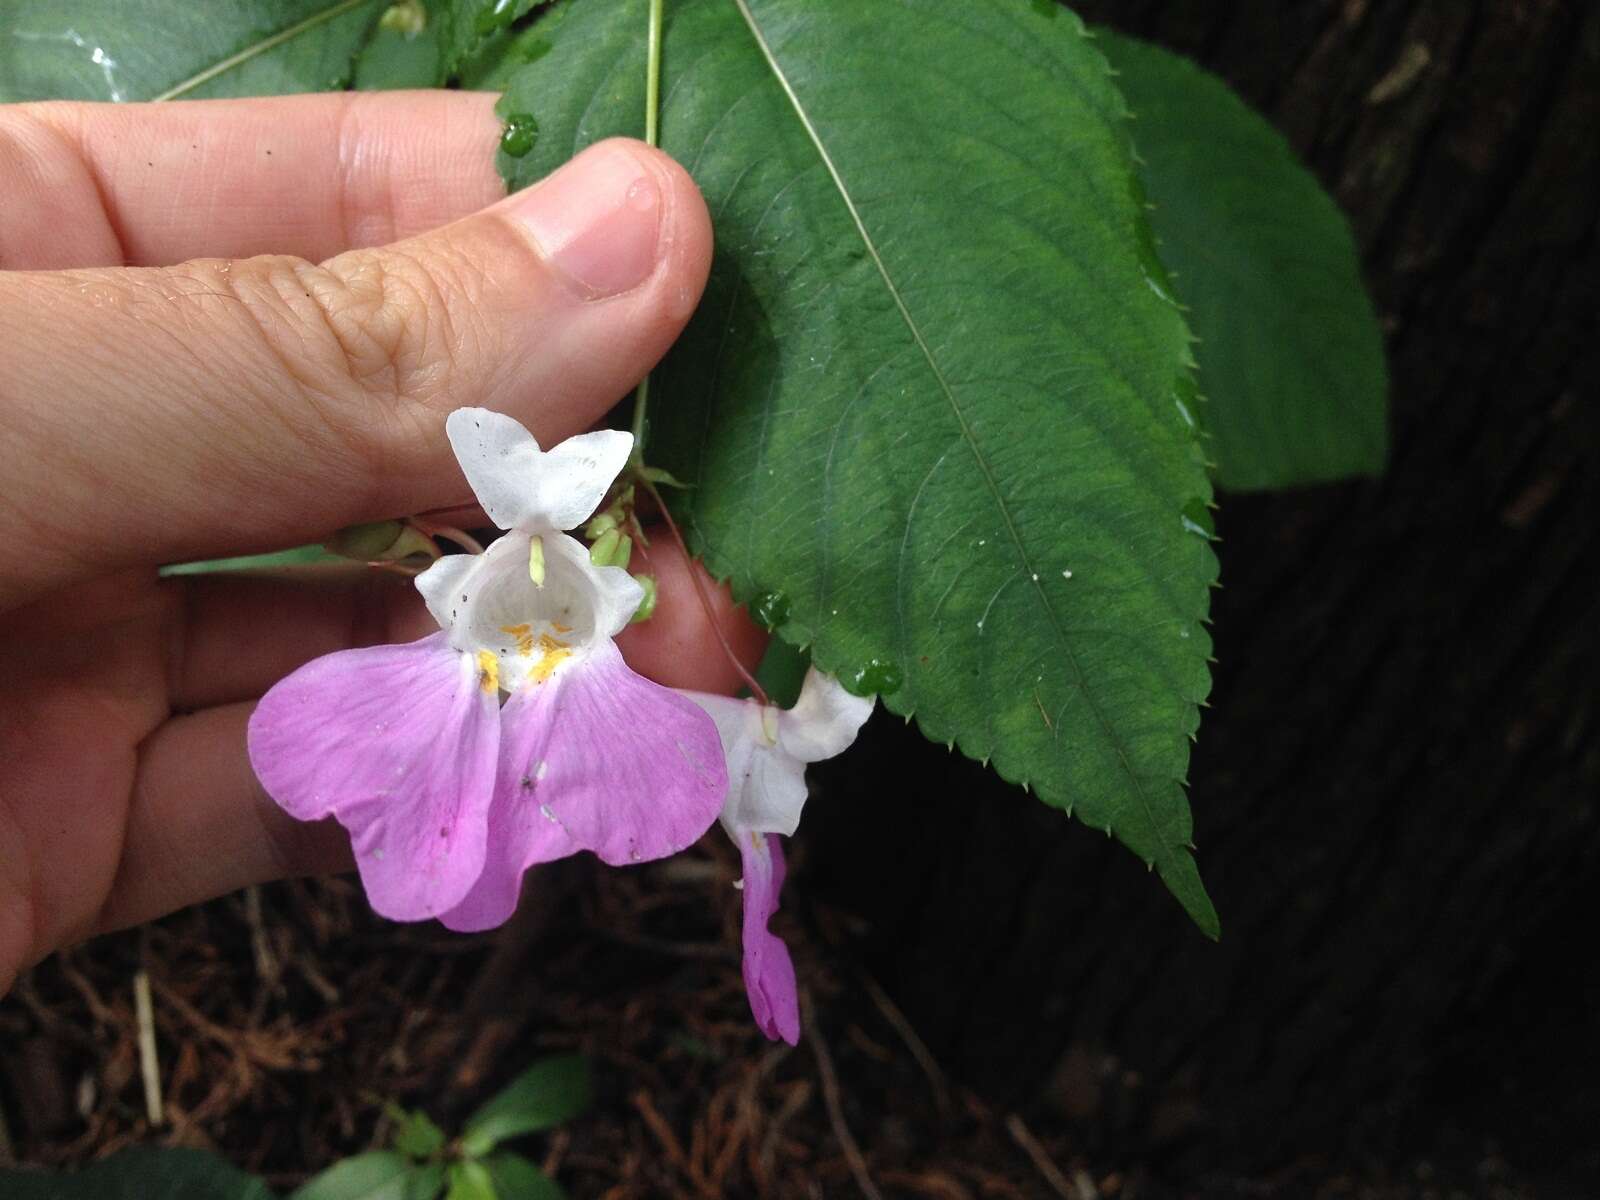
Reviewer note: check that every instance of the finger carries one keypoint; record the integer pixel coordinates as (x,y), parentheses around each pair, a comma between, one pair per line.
(97,185)
(200,826)
(220,407)
(680,646)
(233,637)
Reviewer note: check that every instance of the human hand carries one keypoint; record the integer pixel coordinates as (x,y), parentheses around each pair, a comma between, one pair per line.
(154,413)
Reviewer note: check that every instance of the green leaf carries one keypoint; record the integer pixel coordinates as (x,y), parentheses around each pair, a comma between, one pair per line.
(403,51)
(471,23)
(425,1182)
(139,1174)
(300,555)
(416,1136)
(550,1092)
(515,1178)
(782,672)
(1291,357)
(491,67)
(166,49)
(932,395)
(376,1175)
(470,1181)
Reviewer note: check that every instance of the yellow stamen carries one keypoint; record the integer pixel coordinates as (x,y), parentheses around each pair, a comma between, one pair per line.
(552,654)
(488,671)
(524,636)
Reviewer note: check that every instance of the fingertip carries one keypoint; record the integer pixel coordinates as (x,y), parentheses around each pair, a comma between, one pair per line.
(622,219)
(687,240)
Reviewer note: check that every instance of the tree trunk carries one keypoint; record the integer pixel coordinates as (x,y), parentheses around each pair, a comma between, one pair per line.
(1396,785)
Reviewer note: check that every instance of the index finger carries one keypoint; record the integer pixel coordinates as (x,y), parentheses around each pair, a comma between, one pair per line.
(91,185)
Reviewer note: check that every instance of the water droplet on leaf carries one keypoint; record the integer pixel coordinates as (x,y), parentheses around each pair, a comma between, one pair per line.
(770,609)
(878,676)
(519,135)
(497,16)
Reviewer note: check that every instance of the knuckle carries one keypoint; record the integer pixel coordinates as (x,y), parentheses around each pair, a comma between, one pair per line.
(399,323)
(332,339)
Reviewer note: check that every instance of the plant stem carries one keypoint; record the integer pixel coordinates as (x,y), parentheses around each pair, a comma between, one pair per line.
(652,76)
(756,689)
(652,135)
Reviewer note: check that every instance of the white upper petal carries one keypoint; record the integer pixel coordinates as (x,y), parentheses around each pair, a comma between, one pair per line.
(824,720)
(523,487)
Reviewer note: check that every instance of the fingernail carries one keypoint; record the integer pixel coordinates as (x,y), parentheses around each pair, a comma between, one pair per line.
(597,220)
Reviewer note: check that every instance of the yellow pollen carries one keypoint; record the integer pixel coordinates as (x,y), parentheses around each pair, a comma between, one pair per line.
(488,671)
(560,628)
(551,653)
(524,636)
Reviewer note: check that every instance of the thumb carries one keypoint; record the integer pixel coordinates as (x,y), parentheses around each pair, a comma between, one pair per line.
(158,414)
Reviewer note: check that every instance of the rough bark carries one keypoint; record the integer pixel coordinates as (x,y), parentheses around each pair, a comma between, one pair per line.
(1396,785)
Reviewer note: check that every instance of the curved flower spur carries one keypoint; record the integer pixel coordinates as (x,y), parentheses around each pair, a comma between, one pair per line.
(768,749)
(517,734)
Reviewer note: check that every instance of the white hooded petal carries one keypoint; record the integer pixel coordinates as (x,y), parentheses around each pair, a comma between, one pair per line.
(824,720)
(774,794)
(523,487)
(441,586)
(531,628)
(767,749)
(766,788)
(616,595)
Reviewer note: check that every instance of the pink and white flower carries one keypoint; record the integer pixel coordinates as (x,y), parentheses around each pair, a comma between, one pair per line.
(517,734)
(767,749)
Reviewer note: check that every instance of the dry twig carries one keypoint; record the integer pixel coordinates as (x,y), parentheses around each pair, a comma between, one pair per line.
(1018,1129)
(149,1066)
(830,1097)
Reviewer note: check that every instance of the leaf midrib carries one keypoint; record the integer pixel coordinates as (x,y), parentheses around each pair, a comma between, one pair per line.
(967,435)
(272,42)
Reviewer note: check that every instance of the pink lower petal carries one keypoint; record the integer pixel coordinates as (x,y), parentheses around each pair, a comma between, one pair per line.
(768,970)
(399,744)
(629,769)
(520,835)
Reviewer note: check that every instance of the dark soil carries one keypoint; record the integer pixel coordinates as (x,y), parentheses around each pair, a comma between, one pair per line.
(286,1018)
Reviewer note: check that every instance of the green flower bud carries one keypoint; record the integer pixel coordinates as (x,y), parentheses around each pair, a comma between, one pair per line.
(381,541)
(600,523)
(408,17)
(613,548)
(647,606)
(604,547)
